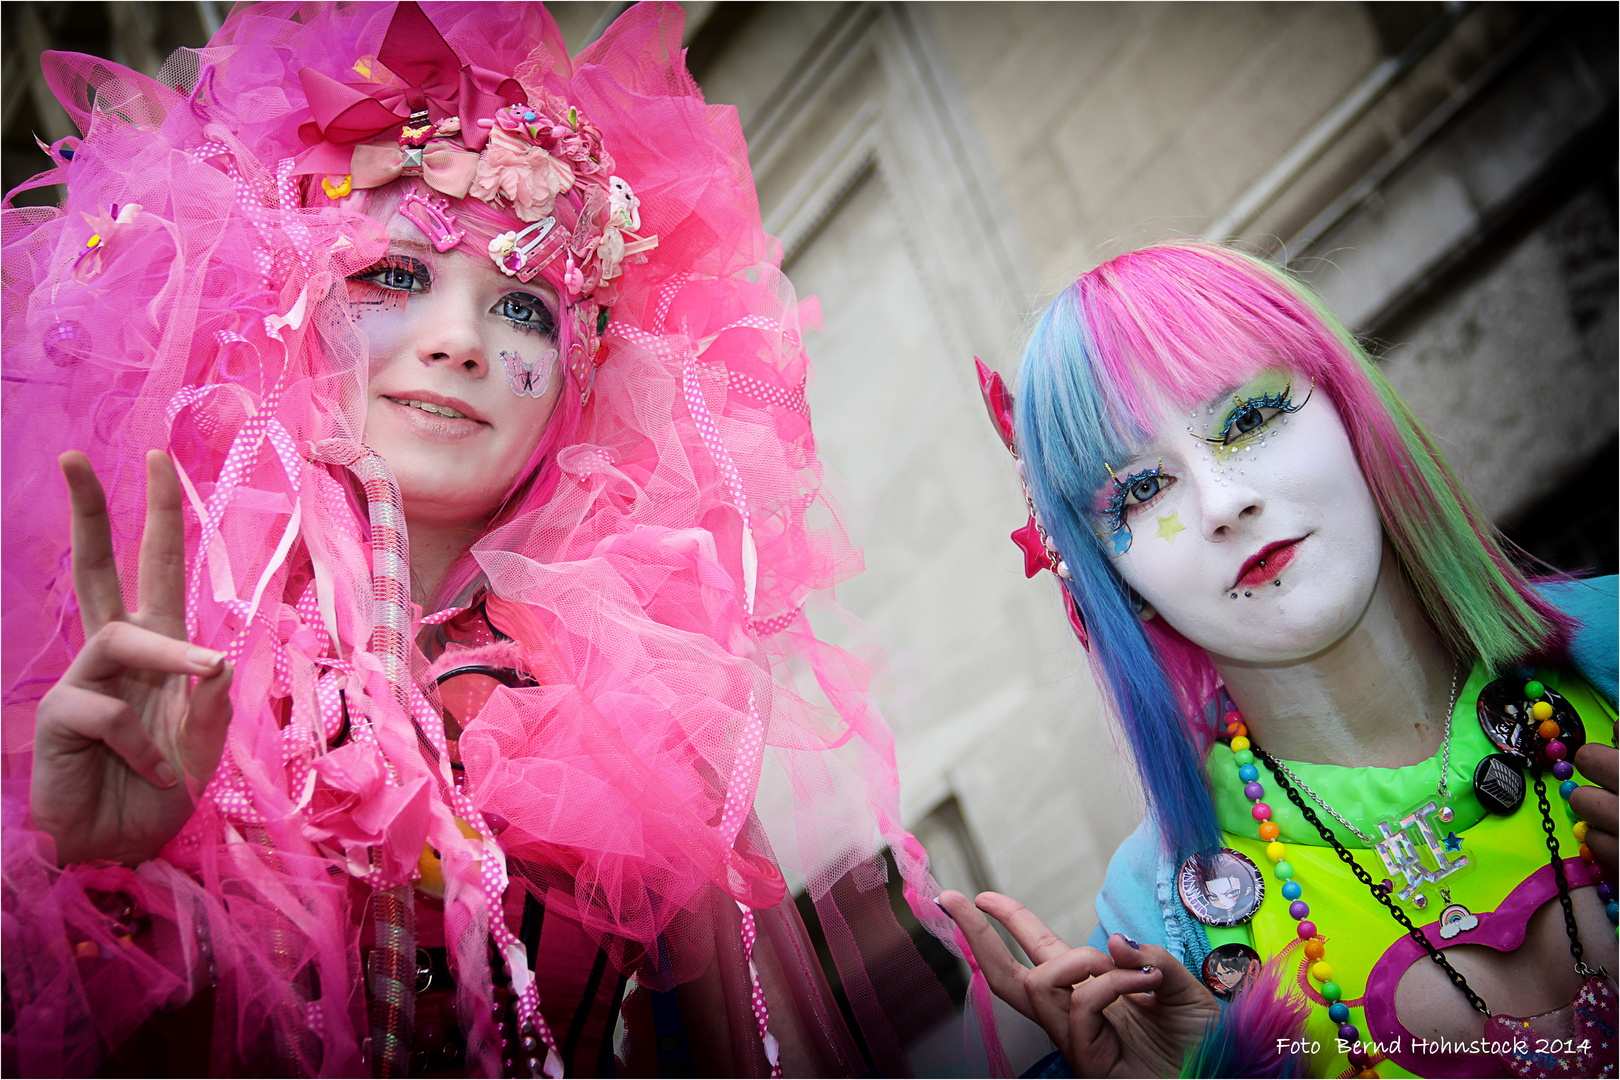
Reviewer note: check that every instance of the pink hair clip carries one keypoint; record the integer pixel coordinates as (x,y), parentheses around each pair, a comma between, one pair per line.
(433,217)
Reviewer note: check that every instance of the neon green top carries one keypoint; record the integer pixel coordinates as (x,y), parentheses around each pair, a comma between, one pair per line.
(1505,855)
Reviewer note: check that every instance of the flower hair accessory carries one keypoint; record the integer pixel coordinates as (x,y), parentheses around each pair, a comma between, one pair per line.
(472,133)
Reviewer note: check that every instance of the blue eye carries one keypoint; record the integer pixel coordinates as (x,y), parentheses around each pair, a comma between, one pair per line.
(526,312)
(1252,414)
(1137,489)
(398,273)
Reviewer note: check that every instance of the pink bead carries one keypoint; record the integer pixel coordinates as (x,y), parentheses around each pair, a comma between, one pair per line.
(1556,750)
(1306,929)
(1261,812)
(1234,717)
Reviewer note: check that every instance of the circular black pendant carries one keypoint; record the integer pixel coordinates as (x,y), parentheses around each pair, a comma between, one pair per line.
(1499,783)
(1504,713)
(1228,967)
(1222,890)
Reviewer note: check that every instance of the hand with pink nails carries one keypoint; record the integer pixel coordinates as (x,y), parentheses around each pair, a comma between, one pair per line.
(1130,1011)
(125,736)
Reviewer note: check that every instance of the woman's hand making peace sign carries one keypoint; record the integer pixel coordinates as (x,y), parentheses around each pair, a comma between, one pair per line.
(124,729)
(1130,1011)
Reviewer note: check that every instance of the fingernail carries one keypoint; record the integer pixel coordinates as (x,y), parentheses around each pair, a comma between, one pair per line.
(941,907)
(165,774)
(203,658)
(1129,942)
(1150,969)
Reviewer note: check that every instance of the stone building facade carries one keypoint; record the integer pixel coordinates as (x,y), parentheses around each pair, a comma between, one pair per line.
(1443,173)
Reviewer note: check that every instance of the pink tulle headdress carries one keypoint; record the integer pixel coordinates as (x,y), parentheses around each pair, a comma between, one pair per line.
(687,744)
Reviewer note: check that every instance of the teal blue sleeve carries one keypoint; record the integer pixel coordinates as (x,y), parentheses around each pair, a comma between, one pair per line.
(1595,604)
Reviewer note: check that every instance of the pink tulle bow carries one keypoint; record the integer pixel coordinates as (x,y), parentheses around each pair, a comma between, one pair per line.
(433,77)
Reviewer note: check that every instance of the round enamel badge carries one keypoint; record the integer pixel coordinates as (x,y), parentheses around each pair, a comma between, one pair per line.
(1221,890)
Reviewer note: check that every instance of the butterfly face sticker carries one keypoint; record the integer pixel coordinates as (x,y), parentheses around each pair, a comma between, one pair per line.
(528,378)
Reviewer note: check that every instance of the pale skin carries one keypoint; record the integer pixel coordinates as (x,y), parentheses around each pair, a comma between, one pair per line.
(1336,665)
(136,725)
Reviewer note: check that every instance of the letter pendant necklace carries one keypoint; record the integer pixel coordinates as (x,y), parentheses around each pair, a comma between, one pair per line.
(1591,1013)
(1417,846)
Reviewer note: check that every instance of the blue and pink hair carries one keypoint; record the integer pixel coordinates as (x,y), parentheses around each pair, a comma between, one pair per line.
(1183,323)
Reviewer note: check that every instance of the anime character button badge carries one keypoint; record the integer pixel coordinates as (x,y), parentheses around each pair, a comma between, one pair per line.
(1223,889)
(1228,967)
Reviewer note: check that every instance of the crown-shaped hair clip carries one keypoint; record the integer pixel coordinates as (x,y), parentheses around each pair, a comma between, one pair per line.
(1039,551)
(432,215)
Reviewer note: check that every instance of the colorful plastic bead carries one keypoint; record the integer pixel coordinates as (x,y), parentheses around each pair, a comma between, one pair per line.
(1233,717)
(1563,770)
(1358,1057)
(1556,750)
(1549,729)
(1605,891)
(1580,832)
(1269,830)
(1534,689)
(1349,1033)
(1298,909)
(1543,711)
(1284,871)
(1322,971)
(1248,773)
(1292,891)
(1315,949)
(1339,1012)
(1567,788)
(1306,929)
(1613,912)
(1586,853)
(1254,789)
(1331,991)
(1244,757)
(1276,851)
(1261,811)
(1239,743)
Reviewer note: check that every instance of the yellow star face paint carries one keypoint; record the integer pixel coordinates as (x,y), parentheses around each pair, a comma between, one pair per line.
(1168,527)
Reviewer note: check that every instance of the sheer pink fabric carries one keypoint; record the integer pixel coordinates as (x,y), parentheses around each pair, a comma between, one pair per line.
(692,737)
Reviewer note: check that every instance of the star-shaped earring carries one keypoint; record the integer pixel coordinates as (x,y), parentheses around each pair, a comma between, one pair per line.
(1029,540)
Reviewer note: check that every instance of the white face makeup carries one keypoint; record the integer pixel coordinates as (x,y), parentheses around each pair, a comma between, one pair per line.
(441,407)
(1262,546)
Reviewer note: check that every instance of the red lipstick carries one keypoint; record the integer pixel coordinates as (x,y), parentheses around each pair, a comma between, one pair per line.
(1268,562)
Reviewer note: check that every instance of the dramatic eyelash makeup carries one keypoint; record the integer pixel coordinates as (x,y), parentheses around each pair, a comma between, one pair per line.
(1249,415)
(528,313)
(1144,486)
(389,282)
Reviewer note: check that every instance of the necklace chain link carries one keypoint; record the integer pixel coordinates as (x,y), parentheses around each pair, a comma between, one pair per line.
(1442,789)
(1417,935)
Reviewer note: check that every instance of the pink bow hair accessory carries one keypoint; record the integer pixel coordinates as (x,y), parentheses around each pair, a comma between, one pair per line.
(426,74)
(443,167)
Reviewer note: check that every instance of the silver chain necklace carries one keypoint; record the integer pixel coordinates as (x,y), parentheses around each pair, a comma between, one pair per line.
(1442,789)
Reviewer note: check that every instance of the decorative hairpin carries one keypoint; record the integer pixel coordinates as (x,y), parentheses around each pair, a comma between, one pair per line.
(433,216)
(518,253)
(1039,551)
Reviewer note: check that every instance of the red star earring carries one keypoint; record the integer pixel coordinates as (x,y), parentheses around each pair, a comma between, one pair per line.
(1039,554)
